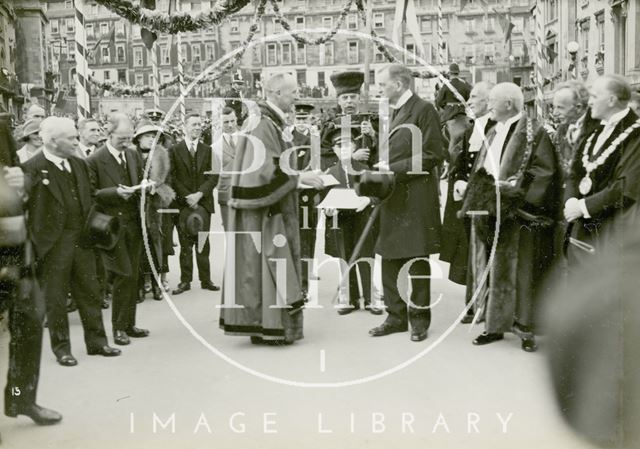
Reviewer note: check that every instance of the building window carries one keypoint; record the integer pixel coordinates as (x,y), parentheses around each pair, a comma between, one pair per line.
(119,28)
(490,25)
(428,50)
(286,53)
(409,56)
(71,51)
(164,55)
(352,22)
(120,53)
(321,79)
(122,75)
(137,57)
(235,27)
(584,36)
(328,53)
(378,20)
(135,31)
(445,24)
(299,23)
(89,30)
(327,22)
(489,53)
(107,75)
(195,52)
(210,52)
(378,56)
(552,10)
(256,55)
(272,54)
(426,25)
(68,4)
(600,25)
(139,79)
(301,54)
(185,52)
(106,58)
(470,25)
(352,54)
(71,25)
(301,76)
(53,23)
(104,29)
(94,9)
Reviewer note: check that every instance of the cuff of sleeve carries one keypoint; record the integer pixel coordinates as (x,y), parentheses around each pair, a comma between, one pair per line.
(583,208)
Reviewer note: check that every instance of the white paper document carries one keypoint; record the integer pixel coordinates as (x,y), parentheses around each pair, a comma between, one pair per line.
(327,181)
(343,199)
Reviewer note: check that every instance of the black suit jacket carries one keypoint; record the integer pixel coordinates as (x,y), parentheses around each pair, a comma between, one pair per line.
(185,180)
(105,178)
(46,207)
(410,218)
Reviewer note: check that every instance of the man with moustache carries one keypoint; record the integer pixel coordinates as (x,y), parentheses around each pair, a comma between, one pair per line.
(264,202)
(604,185)
(521,160)
(410,218)
(59,204)
(115,170)
(456,230)
(193,181)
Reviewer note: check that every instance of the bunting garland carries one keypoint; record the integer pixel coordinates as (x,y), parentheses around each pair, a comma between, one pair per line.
(303,40)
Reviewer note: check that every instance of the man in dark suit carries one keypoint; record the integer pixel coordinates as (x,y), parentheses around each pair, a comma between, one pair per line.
(59,204)
(21,295)
(229,141)
(452,110)
(193,181)
(410,218)
(115,170)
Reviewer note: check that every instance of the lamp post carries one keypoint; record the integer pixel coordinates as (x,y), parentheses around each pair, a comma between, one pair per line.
(572,48)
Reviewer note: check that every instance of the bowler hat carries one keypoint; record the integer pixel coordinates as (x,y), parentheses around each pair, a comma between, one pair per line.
(192,221)
(454,69)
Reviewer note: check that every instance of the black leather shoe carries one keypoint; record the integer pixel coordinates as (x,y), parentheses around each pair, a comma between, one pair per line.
(467,319)
(209,286)
(136,332)
(157,293)
(386,329)
(529,345)
(121,338)
(106,351)
(373,309)
(182,287)
(418,335)
(40,415)
(67,360)
(346,310)
(485,338)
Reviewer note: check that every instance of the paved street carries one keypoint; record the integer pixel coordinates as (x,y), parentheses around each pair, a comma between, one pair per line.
(452,395)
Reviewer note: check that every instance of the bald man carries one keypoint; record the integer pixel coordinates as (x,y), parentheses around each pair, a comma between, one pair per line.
(521,160)
(59,204)
(603,188)
(264,200)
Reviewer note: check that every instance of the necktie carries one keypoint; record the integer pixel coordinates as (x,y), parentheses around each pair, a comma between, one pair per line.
(64,167)
(87,151)
(123,161)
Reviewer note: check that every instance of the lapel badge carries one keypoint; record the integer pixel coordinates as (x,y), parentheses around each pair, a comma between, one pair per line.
(45,176)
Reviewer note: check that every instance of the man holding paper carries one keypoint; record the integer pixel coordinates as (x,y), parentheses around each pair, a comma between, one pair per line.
(116,174)
(410,218)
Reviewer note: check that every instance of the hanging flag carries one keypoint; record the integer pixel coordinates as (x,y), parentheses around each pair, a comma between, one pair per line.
(111,41)
(506,24)
(169,12)
(406,13)
(148,36)
(551,54)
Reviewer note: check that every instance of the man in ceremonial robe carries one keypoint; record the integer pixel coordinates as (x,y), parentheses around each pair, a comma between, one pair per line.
(262,267)
(604,186)
(523,163)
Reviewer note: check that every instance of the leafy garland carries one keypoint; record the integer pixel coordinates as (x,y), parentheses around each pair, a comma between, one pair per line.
(303,40)
(119,89)
(177,22)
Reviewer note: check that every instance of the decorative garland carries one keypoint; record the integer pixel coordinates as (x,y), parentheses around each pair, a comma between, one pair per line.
(178,22)
(303,40)
(119,89)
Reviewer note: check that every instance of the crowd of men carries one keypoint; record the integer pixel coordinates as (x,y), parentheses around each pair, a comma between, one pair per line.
(524,201)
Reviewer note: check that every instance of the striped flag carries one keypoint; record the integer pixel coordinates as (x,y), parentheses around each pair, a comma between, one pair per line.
(406,13)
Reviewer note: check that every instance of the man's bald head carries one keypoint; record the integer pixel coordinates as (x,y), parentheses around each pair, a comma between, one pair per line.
(505,101)
(282,90)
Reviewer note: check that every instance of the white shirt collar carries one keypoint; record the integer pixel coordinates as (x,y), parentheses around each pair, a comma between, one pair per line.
(115,153)
(84,148)
(191,143)
(402,100)
(57,160)
(279,111)
(615,118)
(511,121)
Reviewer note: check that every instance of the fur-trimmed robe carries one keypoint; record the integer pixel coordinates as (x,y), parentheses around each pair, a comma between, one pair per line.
(264,202)
(526,214)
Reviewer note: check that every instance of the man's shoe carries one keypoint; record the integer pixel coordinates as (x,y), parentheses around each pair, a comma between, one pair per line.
(374,310)
(418,335)
(136,332)
(121,338)
(209,286)
(387,329)
(529,345)
(182,287)
(67,360)
(467,319)
(40,415)
(486,338)
(346,310)
(106,351)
